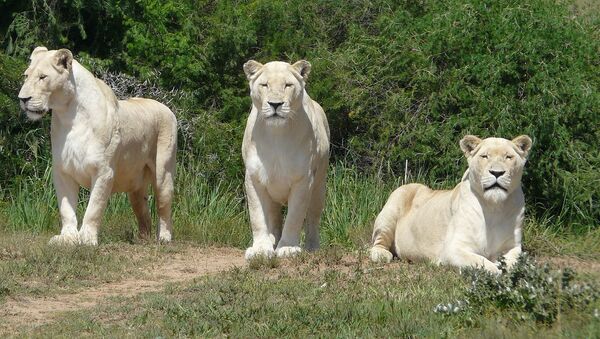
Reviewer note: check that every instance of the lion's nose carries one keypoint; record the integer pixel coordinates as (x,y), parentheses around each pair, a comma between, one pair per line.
(497,173)
(24,100)
(275,105)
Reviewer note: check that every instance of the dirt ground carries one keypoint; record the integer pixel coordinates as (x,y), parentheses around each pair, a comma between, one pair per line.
(21,312)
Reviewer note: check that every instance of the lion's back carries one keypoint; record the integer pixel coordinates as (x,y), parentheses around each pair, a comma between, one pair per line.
(147,113)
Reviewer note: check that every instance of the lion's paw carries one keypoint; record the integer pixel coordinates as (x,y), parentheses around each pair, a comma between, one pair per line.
(65,239)
(493,268)
(165,237)
(88,238)
(380,255)
(259,251)
(288,251)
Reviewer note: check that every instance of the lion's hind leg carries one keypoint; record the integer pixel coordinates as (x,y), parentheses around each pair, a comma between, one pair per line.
(139,204)
(384,231)
(164,177)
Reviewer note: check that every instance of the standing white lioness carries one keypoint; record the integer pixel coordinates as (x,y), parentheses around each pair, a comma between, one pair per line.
(474,224)
(286,154)
(101,143)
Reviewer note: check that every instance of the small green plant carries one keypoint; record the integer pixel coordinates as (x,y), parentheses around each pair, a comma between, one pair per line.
(528,291)
(262,261)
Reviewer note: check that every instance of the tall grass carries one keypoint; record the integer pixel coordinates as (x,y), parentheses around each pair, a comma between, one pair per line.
(214,212)
(32,207)
(202,212)
(353,201)
(210,214)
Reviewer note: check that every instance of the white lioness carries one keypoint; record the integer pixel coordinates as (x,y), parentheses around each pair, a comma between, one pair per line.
(101,143)
(286,154)
(474,224)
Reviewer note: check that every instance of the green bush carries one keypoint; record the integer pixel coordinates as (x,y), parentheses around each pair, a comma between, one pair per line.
(504,68)
(24,146)
(401,81)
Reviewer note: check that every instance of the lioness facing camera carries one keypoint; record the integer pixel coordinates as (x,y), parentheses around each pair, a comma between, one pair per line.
(101,143)
(286,154)
(474,224)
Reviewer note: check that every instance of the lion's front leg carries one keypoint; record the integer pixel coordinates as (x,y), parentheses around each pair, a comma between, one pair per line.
(99,194)
(315,209)
(298,202)
(67,191)
(262,210)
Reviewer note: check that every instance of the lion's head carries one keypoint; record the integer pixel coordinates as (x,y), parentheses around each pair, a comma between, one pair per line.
(495,164)
(277,88)
(46,84)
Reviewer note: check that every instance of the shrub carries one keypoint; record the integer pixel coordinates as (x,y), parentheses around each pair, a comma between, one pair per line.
(400,81)
(422,76)
(528,291)
(24,147)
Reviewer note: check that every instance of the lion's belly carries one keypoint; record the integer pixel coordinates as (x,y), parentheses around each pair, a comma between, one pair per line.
(279,183)
(279,191)
(128,179)
(131,168)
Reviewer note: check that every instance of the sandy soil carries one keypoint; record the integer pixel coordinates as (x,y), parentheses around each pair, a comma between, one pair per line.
(27,312)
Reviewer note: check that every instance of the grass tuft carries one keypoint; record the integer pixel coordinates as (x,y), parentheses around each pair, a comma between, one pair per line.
(259,262)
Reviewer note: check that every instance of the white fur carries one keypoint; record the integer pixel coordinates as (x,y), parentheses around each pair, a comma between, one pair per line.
(286,154)
(101,143)
(470,225)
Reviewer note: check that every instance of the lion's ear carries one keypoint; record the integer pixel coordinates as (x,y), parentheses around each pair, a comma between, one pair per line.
(469,143)
(64,58)
(523,143)
(302,67)
(37,50)
(251,67)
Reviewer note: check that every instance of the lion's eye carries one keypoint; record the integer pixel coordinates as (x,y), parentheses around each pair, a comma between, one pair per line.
(42,77)
(264,85)
(484,156)
(509,157)
(288,85)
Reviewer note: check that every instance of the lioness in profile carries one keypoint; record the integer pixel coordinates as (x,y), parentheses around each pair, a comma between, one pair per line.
(286,154)
(101,143)
(474,224)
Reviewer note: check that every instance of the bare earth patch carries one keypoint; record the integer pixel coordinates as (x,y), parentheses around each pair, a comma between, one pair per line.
(574,263)
(22,312)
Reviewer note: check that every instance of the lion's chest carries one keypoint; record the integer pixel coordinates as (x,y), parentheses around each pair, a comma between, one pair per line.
(497,234)
(486,230)
(77,154)
(490,234)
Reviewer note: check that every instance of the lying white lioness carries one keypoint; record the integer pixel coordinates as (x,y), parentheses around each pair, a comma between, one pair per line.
(474,224)
(286,154)
(101,143)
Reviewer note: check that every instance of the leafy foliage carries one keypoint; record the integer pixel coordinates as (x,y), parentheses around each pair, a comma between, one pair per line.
(24,147)
(401,81)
